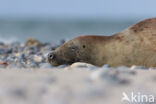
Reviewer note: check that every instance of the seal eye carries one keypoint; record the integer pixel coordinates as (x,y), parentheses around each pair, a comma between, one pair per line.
(84,46)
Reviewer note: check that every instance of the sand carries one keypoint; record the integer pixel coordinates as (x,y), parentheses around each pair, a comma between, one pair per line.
(77,84)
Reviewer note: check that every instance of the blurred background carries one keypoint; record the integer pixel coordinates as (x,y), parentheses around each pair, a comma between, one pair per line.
(52,20)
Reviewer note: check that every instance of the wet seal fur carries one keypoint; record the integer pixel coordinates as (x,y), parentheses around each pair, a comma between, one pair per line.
(133,46)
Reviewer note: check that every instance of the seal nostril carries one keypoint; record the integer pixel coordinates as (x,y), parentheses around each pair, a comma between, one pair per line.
(52,56)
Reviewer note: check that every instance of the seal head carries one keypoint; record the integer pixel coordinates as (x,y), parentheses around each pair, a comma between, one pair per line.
(75,50)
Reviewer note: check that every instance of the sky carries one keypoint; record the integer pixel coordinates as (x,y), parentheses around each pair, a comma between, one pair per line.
(77,8)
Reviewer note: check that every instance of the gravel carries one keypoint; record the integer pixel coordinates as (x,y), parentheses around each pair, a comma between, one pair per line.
(32,54)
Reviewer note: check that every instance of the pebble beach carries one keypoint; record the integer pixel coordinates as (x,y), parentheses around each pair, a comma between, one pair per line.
(31,54)
(27,78)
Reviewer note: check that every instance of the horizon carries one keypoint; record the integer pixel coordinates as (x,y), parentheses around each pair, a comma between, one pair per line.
(69,9)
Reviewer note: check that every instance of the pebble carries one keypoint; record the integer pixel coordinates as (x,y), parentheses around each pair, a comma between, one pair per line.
(152,68)
(45,65)
(109,75)
(3,64)
(33,42)
(16,65)
(38,58)
(32,50)
(122,67)
(106,66)
(81,65)
(134,67)
(61,66)
(18,92)
(33,65)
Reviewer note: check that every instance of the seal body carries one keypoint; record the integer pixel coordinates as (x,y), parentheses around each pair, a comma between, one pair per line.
(133,46)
